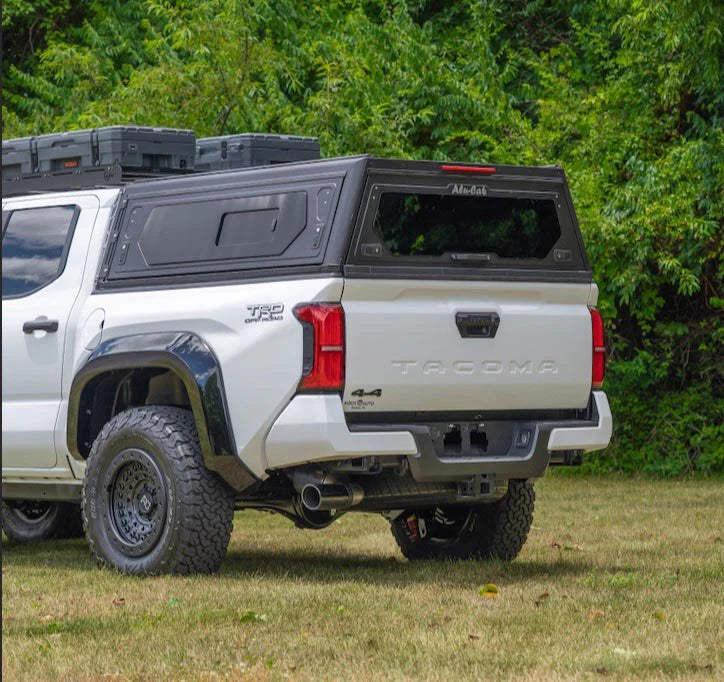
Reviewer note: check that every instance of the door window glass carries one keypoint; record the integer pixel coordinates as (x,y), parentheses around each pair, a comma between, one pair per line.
(34,248)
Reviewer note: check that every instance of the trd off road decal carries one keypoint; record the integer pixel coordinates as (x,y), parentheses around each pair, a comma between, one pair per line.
(265,312)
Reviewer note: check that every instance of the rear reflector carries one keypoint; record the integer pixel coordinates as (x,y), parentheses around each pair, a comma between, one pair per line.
(598,369)
(480,170)
(324,352)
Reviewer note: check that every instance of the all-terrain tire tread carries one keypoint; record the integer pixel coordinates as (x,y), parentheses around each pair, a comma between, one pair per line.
(512,520)
(500,530)
(205,502)
(18,532)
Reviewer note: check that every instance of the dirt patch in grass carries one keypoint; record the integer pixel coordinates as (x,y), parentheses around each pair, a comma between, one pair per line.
(620,579)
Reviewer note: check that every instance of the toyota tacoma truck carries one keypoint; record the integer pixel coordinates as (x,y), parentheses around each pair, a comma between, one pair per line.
(413,338)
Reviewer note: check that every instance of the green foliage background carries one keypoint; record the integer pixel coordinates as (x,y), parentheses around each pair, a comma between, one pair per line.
(626,95)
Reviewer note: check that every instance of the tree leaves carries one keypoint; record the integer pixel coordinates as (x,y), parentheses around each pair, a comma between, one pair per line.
(627,96)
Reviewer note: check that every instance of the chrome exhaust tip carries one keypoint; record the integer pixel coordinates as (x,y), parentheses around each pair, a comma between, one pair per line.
(324,496)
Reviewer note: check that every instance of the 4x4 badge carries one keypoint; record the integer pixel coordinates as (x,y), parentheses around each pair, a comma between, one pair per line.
(361,393)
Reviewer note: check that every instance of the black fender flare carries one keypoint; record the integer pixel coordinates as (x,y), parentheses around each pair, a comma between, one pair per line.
(191,359)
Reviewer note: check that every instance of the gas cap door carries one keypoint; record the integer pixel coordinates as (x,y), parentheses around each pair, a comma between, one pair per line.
(93,329)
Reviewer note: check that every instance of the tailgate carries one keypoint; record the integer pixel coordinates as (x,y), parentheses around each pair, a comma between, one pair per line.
(466,288)
(430,346)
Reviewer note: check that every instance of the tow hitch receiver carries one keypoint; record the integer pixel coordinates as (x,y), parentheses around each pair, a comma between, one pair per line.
(485,487)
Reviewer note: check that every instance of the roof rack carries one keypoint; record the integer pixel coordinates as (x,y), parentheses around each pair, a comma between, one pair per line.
(94,177)
(116,155)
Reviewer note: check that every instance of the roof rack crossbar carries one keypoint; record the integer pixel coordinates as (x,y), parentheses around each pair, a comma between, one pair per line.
(93,177)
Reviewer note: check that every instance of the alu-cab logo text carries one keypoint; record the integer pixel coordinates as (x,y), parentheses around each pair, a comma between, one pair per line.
(470,190)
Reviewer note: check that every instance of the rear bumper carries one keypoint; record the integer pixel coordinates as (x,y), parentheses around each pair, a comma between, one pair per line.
(313,429)
(594,436)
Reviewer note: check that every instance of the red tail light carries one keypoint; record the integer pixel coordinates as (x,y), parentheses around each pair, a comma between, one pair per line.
(598,369)
(323,346)
(480,170)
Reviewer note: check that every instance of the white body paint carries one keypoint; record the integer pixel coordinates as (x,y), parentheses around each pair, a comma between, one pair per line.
(401,338)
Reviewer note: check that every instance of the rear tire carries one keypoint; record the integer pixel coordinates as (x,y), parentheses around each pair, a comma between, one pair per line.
(491,531)
(33,521)
(150,505)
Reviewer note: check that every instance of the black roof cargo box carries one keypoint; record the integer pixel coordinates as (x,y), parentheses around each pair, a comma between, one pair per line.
(251,149)
(147,148)
(116,155)
(19,157)
(141,148)
(60,151)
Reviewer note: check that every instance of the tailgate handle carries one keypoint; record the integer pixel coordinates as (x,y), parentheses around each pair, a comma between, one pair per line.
(472,257)
(477,325)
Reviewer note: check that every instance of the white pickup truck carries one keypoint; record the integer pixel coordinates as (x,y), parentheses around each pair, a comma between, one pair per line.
(414,338)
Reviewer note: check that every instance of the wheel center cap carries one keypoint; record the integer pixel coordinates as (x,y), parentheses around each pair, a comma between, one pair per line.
(146,502)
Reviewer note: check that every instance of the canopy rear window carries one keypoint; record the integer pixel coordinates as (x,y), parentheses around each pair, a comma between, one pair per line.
(436,225)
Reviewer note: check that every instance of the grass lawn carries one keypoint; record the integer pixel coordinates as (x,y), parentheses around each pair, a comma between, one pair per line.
(620,579)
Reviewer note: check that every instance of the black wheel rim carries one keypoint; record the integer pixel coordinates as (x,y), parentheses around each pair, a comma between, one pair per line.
(31,512)
(137,504)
